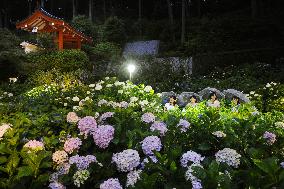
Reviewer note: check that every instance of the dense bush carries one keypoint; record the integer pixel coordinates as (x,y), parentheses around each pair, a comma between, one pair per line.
(66,60)
(105,51)
(227,147)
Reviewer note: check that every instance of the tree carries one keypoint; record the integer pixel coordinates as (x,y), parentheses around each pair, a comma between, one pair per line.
(171,19)
(74,8)
(254,8)
(91,9)
(182,21)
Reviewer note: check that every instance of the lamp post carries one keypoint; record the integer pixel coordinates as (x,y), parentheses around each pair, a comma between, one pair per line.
(131,69)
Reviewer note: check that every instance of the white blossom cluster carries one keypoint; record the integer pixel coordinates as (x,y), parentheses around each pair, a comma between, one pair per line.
(127,160)
(228,156)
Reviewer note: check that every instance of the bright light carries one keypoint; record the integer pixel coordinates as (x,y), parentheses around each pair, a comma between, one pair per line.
(131,68)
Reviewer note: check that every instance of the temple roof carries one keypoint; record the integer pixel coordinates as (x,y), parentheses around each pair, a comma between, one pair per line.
(42,21)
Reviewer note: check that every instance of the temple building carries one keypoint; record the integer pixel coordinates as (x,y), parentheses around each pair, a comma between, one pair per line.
(67,37)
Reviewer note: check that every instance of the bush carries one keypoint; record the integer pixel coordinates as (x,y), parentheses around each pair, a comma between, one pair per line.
(66,60)
(48,137)
(105,51)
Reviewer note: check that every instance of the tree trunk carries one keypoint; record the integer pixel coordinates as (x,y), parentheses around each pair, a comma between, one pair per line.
(140,17)
(74,9)
(254,8)
(42,3)
(91,10)
(182,21)
(104,10)
(171,19)
(198,8)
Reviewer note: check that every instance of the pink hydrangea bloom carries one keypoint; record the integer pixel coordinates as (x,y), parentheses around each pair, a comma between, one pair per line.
(60,157)
(72,117)
(127,160)
(103,135)
(34,145)
(72,144)
(4,128)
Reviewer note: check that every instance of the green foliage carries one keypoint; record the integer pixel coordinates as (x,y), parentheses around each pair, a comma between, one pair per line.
(40,114)
(85,25)
(114,30)
(65,61)
(105,51)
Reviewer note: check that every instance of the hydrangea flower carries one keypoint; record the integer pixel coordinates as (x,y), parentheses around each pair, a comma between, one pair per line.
(282,164)
(60,157)
(150,144)
(76,99)
(279,125)
(102,102)
(219,134)
(190,156)
(133,99)
(34,145)
(72,144)
(270,137)
(106,115)
(87,125)
(56,185)
(159,126)
(80,177)
(147,88)
(133,177)
(4,128)
(103,135)
(98,87)
(123,104)
(82,162)
(196,183)
(127,160)
(112,183)
(184,124)
(228,156)
(148,117)
(72,117)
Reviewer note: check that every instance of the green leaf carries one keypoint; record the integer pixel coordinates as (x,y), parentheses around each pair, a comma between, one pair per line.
(269,165)
(204,147)
(173,166)
(24,171)
(3,159)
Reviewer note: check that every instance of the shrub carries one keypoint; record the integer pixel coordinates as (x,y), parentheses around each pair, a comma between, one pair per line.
(85,25)
(105,51)
(66,60)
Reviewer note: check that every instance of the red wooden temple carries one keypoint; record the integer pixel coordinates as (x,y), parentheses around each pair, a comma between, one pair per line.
(66,36)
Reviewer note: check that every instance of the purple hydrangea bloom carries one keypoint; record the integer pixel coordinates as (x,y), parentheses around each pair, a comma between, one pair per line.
(196,184)
(159,126)
(87,125)
(150,144)
(282,164)
(106,115)
(192,157)
(148,118)
(103,135)
(184,125)
(56,185)
(127,160)
(82,162)
(112,183)
(270,137)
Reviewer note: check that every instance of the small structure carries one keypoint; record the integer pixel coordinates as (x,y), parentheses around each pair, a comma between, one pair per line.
(66,36)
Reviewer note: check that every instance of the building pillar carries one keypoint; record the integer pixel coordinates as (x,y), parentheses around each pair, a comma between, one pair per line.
(78,44)
(60,40)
